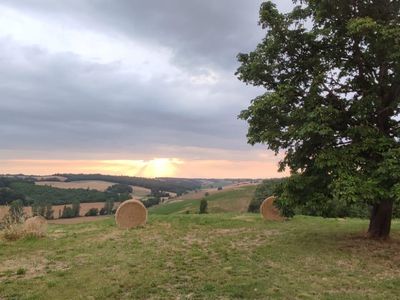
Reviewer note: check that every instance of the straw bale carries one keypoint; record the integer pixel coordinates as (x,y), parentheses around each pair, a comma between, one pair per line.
(269,211)
(36,226)
(130,214)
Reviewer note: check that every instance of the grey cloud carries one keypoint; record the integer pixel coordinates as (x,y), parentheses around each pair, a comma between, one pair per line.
(201,33)
(62,103)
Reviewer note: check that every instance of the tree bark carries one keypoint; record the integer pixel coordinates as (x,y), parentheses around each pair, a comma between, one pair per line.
(381,219)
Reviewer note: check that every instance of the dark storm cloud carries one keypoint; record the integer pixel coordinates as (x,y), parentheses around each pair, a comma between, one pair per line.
(64,102)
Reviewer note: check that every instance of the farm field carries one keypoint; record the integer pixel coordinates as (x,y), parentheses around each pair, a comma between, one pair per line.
(234,199)
(82,184)
(196,195)
(215,256)
(58,208)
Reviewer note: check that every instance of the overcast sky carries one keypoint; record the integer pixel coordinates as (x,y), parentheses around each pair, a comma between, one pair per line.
(89,82)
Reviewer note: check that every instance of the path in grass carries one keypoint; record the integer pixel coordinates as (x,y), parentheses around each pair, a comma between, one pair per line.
(215,256)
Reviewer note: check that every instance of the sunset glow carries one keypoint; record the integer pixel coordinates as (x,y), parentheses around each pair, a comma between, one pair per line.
(157,167)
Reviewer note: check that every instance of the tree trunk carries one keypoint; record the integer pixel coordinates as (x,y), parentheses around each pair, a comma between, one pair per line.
(381,218)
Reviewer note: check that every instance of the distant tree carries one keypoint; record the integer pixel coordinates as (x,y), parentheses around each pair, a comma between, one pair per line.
(219,188)
(8,195)
(42,208)
(92,212)
(120,189)
(331,71)
(108,207)
(76,208)
(149,202)
(16,211)
(67,212)
(206,194)
(203,206)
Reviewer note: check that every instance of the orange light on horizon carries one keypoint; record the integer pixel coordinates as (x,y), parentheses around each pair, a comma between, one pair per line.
(157,167)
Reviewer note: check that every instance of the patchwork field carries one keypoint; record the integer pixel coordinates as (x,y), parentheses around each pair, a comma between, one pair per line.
(215,256)
(82,184)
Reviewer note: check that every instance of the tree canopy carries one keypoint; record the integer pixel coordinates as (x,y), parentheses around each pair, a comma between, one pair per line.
(331,70)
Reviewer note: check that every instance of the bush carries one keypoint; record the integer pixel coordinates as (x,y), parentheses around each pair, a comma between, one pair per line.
(16,211)
(203,206)
(12,230)
(92,212)
(67,213)
(263,191)
(43,208)
(219,188)
(151,202)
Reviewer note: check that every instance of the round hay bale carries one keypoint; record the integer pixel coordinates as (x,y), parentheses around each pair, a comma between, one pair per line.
(269,211)
(36,226)
(131,213)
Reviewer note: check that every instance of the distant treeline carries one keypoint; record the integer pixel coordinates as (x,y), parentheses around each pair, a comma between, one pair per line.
(175,185)
(29,193)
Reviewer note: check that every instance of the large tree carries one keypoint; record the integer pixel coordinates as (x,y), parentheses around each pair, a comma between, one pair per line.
(331,70)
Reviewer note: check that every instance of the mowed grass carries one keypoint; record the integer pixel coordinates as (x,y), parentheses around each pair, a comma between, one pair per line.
(234,200)
(215,256)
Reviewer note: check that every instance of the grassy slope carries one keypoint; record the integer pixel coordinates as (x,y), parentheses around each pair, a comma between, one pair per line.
(226,201)
(211,256)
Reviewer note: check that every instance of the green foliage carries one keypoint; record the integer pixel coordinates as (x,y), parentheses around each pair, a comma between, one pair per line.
(263,191)
(203,206)
(71,211)
(8,195)
(16,211)
(108,207)
(332,72)
(76,207)
(57,196)
(120,189)
(149,202)
(92,212)
(43,208)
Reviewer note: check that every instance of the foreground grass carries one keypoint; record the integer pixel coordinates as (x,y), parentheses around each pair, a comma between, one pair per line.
(218,256)
(236,200)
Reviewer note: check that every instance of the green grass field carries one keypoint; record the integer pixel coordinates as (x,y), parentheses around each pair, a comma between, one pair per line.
(226,201)
(215,256)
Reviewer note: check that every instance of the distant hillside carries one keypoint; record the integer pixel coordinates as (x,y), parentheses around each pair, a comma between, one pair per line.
(175,185)
(26,190)
(231,200)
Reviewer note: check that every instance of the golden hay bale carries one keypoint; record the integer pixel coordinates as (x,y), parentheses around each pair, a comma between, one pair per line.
(130,214)
(35,226)
(269,211)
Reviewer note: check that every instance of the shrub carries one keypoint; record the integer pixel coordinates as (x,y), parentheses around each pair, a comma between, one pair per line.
(16,211)
(203,206)
(92,212)
(21,271)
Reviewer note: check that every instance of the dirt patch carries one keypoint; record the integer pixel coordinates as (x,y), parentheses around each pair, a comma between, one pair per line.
(29,267)
(78,220)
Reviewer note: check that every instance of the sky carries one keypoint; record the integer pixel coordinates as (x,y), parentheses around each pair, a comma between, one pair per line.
(132,87)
